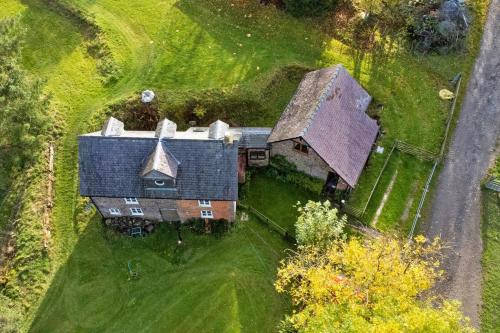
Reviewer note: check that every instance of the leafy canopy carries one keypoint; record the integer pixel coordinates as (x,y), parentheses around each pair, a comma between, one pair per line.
(318,224)
(367,285)
(23,106)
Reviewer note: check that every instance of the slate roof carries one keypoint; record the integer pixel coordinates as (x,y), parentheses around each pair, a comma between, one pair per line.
(254,137)
(112,166)
(328,111)
(162,161)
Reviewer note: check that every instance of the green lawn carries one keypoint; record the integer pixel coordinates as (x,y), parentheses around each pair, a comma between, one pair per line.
(490,316)
(205,285)
(178,47)
(402,202)
(276,199)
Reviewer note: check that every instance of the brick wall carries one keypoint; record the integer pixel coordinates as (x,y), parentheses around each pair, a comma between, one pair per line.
(310,163)
(221,209)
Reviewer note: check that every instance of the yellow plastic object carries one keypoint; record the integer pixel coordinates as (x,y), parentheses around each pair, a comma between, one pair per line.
(446,94)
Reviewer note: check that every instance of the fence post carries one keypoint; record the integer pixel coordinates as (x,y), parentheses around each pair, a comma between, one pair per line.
(378,178)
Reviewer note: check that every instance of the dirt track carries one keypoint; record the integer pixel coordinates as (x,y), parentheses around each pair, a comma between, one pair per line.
(455,214)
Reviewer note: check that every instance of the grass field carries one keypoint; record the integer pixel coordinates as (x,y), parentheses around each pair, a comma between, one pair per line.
(490,316)
(206,284)
(176,47)
(277,200)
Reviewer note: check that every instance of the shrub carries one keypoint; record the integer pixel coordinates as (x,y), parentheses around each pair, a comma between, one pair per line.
(287,172)
(309,7)
(219,227)
(196,224)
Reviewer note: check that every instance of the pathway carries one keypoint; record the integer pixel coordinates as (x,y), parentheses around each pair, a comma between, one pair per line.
(455,214)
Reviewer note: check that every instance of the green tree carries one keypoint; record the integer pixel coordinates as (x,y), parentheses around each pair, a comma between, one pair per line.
(318,224)
(308,7)
(367,285)
(23,105)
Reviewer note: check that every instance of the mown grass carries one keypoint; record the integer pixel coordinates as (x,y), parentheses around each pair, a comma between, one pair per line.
(398,212)
(490,314)
(204,285)
(276,199)
(175,47)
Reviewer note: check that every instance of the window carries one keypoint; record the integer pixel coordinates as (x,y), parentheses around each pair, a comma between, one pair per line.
(300,146)
(114,211)
(131,201)
(136,211)
(159,182)
(258,155)
(207,214)
(204,203)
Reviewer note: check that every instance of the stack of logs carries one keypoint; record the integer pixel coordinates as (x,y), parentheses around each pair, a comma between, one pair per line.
(125,224)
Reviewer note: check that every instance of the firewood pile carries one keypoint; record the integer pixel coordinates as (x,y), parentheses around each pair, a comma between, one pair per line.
(125,224)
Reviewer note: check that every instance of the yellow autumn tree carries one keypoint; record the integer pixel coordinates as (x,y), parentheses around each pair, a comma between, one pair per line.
(367,285)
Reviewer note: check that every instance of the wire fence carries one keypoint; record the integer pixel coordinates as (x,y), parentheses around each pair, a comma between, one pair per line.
(420,153)
(286,234)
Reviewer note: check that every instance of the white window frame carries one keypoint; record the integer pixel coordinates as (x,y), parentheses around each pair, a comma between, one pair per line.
(115,211)
(204,203)
(159,182)
(131,201)
(207,214)
(136,211)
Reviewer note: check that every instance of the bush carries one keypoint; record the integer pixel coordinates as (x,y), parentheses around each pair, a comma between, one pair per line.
(309,7)
(196,224)
(217,227)
(287,172)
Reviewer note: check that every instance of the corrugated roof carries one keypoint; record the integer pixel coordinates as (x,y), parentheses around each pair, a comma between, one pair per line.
(328,110)
(112,166)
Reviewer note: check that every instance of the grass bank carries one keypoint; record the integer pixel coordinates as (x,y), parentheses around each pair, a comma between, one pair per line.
(490,318)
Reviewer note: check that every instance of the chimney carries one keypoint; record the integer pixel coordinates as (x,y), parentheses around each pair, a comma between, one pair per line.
(112,127)
(217,130)
(165,129)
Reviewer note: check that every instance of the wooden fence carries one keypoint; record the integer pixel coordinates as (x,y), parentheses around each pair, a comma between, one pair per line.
(418,152)
(287,235)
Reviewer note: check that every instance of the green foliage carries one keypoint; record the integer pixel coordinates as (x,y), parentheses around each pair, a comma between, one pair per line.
(281,169)
(217,227)
(490,319)
(309,7)
(368,285)
(199,111)
(318,224)
(97,46)
(24,124)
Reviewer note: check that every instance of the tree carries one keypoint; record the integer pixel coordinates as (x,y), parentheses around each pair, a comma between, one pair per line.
(308,7)
(23,106)
(367,285)
(318,224)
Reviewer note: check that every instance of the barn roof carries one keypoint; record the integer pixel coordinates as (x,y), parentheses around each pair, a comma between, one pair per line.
(328,111)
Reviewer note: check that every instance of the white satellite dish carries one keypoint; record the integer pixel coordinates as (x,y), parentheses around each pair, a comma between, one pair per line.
(147,96)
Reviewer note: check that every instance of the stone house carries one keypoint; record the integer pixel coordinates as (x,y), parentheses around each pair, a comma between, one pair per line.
(325,130)
(170,175)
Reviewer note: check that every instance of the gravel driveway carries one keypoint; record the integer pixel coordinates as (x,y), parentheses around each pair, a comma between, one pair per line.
(455,214)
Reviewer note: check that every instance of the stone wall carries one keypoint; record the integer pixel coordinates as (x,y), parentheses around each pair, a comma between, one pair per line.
(258,163)
(310,163)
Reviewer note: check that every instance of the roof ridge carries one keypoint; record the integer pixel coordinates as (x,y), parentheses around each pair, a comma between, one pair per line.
(321,99)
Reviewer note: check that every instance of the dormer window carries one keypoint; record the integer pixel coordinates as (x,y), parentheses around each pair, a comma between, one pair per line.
(159,182)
